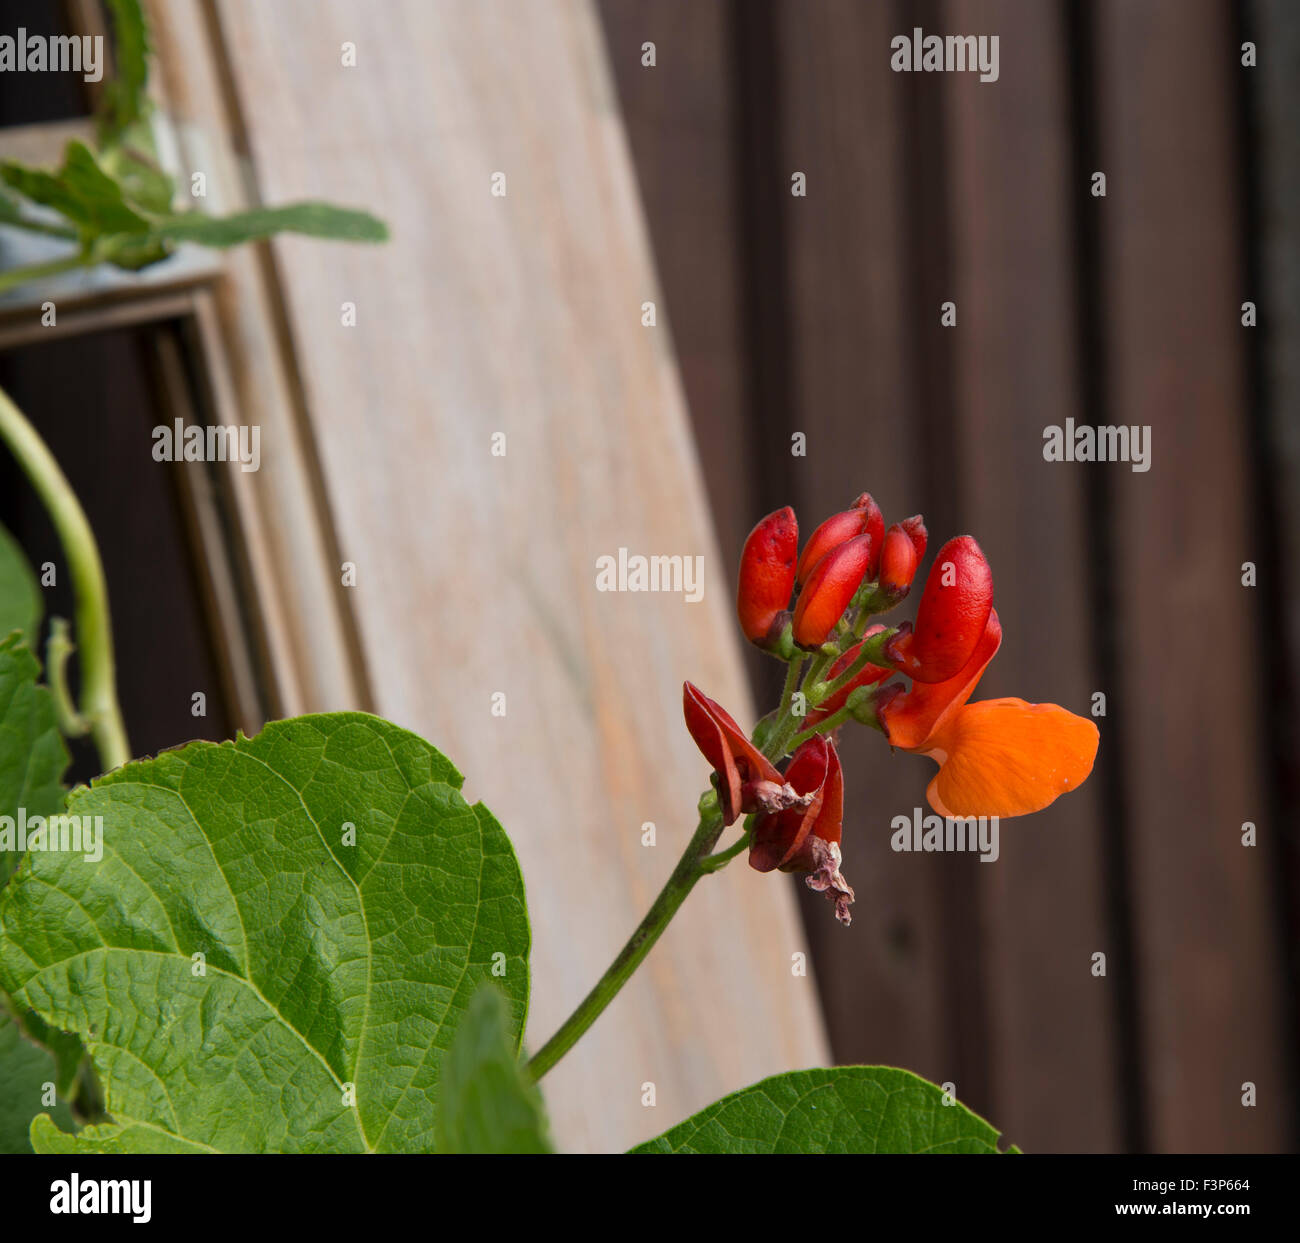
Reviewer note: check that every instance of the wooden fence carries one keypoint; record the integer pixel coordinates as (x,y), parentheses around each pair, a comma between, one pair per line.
(821,314)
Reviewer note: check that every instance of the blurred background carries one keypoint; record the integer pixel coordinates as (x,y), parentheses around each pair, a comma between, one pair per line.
(822,315)
(781,314)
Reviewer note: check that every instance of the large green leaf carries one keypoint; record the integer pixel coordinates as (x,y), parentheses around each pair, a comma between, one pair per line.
(21,604)
(28,1075)
(854,1109)
(33,758)
(48,1137)
(313,219)
(489,1104)
(346,902)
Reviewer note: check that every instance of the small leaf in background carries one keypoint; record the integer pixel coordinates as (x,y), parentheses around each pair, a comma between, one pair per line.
(80,191)
(849,1109)
(21,603)
(312,219)
(282,935)
(143,183)
(12,214)
(489,1104)
(33,758)
(124,100)
(28,1074)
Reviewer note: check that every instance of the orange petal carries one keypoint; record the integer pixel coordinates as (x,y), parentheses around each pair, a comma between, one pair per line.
(1006,757)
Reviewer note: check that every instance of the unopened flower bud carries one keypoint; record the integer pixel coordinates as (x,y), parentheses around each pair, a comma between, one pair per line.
(767,568)
(829,589)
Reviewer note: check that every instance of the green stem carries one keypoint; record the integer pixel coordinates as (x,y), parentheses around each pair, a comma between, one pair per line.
(17,221)
(860,662)
(834,721)
(689,869)
(99,704)
(791,681)
(38,271)
(57,650)
(778,743)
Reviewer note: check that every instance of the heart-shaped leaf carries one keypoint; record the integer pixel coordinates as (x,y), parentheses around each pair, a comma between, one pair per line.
(847,1109)
(279,942)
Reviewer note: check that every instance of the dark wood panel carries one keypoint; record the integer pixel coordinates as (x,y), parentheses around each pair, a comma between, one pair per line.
(681,121)
(820,315)
(1043,908)
(1167,76)
(887,986)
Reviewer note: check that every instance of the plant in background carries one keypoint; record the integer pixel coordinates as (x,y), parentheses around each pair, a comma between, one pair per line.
(113,204)
(308,941)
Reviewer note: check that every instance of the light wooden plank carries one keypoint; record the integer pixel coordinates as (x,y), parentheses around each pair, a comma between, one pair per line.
(309,635)
(476,573)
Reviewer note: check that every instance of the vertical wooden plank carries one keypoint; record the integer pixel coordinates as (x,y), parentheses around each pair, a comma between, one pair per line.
(1273,104)
(308,629)
(477,573)
(681,121)
(1043,909)
(1189,693)
(852,369)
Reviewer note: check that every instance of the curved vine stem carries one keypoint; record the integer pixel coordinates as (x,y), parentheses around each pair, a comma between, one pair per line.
(696,861)
(99,707)
(689,869)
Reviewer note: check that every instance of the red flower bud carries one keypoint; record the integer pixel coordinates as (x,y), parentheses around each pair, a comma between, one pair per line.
(780,839)
(829,589)
(747,781)
(920,537)
(767,575)
(953,613)
(869,675)
(862,518)
(898,561)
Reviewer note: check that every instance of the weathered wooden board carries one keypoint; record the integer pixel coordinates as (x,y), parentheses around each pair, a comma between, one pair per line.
(521,314)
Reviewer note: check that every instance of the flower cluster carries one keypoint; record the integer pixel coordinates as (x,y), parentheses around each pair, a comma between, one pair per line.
(997,757)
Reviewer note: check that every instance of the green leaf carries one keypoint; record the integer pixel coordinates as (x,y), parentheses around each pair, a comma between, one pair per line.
(489,1104)
(48,1137)
(63,1047)
(143,183)
(28,1074)
(12,214)
(21,603)
(313,219)
(33,758)
(853,1109)
(132,251)
(80,190)
(346,901)
(124,101)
